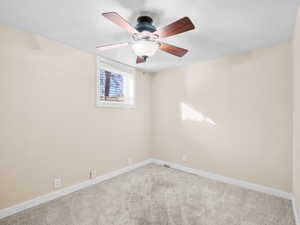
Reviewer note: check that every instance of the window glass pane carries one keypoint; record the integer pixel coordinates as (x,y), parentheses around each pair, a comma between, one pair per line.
(116,85)
(102,83)
(111,86)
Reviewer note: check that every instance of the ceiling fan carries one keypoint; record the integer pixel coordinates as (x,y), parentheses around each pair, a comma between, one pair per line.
(146,37)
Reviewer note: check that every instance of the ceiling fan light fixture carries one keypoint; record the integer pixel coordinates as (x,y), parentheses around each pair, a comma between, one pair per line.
(145,47)
(147,38)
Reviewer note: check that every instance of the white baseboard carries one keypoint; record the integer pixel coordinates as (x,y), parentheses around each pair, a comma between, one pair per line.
(53,195)
(296,211)
(228,180)
(240,183)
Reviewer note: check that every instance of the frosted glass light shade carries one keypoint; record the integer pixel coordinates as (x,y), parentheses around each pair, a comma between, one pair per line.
(145,47)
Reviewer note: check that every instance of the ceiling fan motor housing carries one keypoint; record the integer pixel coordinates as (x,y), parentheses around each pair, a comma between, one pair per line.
(145,24)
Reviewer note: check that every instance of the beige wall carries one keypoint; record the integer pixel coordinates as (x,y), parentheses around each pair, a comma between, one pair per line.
(248,97)
(49,125)
(296,118)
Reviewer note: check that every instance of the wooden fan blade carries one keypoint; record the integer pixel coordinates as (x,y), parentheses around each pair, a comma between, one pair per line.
(140,60)
(108,47)
(120,21)
(179,26)
(173,49)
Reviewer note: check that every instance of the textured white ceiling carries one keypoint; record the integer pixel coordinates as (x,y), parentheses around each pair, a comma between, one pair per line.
(222,26)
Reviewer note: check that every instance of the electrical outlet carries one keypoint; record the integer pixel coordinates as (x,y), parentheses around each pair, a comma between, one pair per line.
(57,183)
(129,161)
(184,158)
(92,173)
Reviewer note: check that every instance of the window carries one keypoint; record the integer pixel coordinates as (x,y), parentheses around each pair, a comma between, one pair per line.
(115,86)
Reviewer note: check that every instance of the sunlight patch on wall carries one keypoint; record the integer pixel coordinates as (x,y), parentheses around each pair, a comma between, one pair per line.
(189,113)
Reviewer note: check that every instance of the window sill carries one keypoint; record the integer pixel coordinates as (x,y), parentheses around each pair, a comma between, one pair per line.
(125,105)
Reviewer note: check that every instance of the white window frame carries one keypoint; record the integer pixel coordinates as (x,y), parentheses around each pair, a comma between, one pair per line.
(129,84)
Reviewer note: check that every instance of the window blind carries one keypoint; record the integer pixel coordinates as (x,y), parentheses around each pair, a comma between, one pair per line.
(111,86)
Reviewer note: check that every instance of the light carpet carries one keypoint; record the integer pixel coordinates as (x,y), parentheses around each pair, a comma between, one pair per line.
(155,195)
